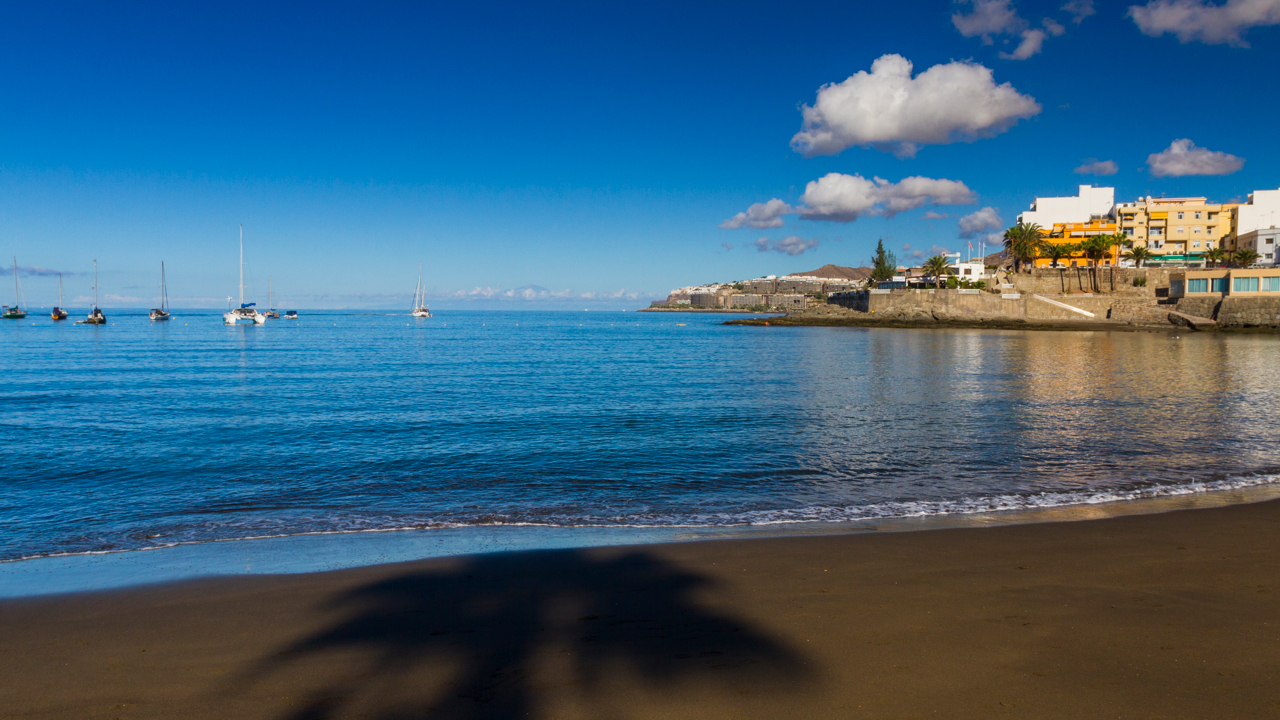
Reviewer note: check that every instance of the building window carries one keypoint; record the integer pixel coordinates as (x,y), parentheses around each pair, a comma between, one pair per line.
(1179,216)
(1244,284)
(1196,230)
(1208,244)
(1175,287)
(1196,244)
(1220,285)
(1210,229)
(1197,285)
(1213,216)
(1197,214)
(1181,229)
(1271,284)
(1270,240)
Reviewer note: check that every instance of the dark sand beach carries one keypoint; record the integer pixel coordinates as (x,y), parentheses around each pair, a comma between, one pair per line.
(1173,615)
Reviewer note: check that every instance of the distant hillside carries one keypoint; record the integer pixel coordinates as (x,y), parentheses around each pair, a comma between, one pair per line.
(838,271)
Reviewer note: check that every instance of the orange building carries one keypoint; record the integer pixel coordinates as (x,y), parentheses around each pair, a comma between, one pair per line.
(1075,233)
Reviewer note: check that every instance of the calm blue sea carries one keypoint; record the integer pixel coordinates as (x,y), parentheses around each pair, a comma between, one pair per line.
(133,435)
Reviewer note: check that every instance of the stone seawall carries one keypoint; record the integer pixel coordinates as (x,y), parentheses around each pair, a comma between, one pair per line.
(1051,281)
(963,306)
(959,305)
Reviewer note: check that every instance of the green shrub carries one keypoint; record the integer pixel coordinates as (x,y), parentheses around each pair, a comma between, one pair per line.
(1139,282)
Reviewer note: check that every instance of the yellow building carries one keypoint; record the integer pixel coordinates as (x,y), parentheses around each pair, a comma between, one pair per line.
(1177,231)
(1076,233)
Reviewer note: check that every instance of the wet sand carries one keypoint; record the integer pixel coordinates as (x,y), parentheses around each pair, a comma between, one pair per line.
(1150,616)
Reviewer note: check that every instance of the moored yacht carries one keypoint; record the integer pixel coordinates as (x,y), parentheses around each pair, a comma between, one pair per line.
(420,309)
(58,313)
(17,312)
(95,315)
(161,313)
(246,312)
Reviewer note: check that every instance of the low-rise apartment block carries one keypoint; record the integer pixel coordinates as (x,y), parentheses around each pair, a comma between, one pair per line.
(1177,231)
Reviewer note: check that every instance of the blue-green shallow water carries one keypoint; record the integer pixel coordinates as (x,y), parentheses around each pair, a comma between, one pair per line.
(496,430)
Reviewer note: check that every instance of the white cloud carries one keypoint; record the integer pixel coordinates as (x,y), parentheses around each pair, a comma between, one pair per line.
(1192,20)
(1183,158)
(1032,40)
(939,250)
(792,245)
(844,198)
(918,254)
(934,215)
(726,246)
(890,110)
(837,197)
(1054,27)
(1093,166)
(1079,10)
(979,222)
(989,17)
(759,216)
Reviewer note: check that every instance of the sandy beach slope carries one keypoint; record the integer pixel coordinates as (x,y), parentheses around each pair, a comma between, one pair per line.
(1157,616)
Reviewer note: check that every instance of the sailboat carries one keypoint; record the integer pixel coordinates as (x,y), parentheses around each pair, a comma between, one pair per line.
(420,309)
(272,313)
(16,312)
(161,313)
(246,310)
(58,313)
(95,315)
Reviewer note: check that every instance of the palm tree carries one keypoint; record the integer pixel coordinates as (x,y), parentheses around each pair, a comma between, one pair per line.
(1021,241)
(1245,257)
(937,266)
(1213,256)
(1097,247)
(1138,255)
(1056,251)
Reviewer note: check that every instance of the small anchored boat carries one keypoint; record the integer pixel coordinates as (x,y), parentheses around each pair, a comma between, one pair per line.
(246,312)
(161,313)
(58,313)
(420,309)
(95,315)
(18,311)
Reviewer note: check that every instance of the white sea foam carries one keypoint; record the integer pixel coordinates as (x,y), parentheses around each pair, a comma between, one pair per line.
(828,514)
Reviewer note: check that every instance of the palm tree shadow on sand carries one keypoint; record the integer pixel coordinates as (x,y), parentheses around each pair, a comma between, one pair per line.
(512,635)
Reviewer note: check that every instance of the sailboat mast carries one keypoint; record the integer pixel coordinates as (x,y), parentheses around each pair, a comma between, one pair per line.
(164,292)
(16,293)
(59,289)
(95,284)
(241,264)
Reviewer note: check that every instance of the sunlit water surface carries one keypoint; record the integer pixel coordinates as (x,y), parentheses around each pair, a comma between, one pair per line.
(134,435)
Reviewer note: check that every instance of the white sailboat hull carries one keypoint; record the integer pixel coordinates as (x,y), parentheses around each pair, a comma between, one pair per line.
(422,313)
(244,316)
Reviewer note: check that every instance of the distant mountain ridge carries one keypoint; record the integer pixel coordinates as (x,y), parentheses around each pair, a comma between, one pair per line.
(838,271)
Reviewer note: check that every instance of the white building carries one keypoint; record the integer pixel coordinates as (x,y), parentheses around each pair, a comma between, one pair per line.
(1092,202)
(1257,223)
(1262,211)
(1265,242)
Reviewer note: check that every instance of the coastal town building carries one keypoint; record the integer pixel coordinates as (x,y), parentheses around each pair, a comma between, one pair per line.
(1074,234)
(1177,231)
(1256,224)
(1265,242)
(1225,282)
(1090,204)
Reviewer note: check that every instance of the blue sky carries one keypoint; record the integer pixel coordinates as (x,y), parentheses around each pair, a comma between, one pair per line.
(590,150)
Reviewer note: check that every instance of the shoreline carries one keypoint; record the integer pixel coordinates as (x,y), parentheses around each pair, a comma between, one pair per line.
(1167,614)
(312,552)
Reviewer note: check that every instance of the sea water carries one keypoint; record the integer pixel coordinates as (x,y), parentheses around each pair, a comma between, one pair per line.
(490,430)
